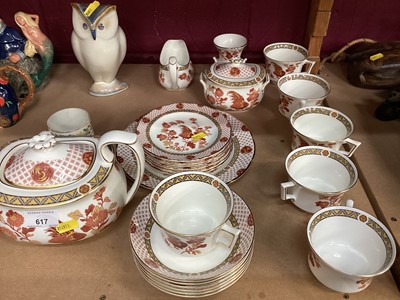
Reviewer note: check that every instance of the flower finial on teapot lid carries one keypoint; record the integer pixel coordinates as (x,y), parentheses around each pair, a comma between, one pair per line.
(43,140)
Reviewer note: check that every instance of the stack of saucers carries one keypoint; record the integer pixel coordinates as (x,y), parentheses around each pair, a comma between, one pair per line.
(193,276)
(185,136)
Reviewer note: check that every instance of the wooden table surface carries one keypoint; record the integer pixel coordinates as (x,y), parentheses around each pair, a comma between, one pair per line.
(103,267)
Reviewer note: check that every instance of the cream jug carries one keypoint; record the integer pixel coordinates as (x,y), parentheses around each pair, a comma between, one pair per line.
(176,70)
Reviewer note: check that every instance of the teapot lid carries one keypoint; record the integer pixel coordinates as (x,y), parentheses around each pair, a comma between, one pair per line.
(236,74)
(45,162)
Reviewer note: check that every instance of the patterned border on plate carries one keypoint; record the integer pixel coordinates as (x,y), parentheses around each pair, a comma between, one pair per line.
(232,169)
(214,116)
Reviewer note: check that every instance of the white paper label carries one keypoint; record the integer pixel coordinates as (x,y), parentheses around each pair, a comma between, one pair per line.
(40,218)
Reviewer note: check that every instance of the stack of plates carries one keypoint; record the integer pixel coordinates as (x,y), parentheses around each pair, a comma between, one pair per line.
(185,136)
(225,152)
(194,276)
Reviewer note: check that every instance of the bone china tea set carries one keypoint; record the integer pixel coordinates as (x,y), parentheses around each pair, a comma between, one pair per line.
(192,236)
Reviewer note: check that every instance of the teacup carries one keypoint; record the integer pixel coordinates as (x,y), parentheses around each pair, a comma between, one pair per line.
(285,58)
(192,210)
(176,70)
(349,248)
(70,122)
(318,177)
(230,46)
(322,126)
(301,90)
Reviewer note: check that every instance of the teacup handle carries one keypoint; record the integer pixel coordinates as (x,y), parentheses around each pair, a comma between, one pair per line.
(233,233)
(130,139)
(285,194)
(353,144)
(309,64)
(173,72)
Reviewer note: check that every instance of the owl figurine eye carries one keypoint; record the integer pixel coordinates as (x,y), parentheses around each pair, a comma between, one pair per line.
(101,26)
(85,26)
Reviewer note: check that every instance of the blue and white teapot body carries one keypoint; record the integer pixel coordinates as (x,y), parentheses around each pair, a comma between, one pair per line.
(11,106)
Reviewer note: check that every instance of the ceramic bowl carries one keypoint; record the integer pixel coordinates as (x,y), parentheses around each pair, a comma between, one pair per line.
(234,86)
(349,247)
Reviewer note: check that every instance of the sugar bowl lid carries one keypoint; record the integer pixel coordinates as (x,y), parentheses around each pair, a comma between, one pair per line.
(236,73)
(43,162)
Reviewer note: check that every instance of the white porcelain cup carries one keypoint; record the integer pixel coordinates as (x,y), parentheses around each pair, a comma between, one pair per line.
(286,58)
(318,177)
(348,248)
(230,46)
(192,210)
(301,90)
(323,126)
(175,70)
(70,122)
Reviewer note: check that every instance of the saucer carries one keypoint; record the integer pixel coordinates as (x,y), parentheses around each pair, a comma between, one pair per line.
(195,291)
(148,247)
(196,284)
(238,161)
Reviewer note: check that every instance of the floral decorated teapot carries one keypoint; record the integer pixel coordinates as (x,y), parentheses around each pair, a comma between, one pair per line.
(56,190)
(11,106)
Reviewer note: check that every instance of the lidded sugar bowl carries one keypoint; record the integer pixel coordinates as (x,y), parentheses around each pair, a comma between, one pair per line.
(234,86)
(56,190)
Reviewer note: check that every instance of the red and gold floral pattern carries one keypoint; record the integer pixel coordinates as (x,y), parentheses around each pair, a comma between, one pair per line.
(234,71)
(161,77)
(42,172)
(168,135)
(276,71)
(228,55)
(10,161)
(12,226)
(187,76)
(325,201)
(250,220)
(364,283)
(87,157)
(284,104)
(314,260)
(218,98)
(235,258)
(191,246)
(95,219)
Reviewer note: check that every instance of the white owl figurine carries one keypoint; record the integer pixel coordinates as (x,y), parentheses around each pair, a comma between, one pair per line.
(99,44)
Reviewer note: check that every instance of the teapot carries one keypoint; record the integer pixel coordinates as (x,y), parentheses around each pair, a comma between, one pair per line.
(58,190)
(11,106)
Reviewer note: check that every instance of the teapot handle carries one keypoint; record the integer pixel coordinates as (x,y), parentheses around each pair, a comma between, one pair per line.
(129,139)
(29,82)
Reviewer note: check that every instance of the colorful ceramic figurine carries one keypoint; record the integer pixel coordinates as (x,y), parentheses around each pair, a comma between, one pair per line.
(32,52)
(99,44)
(10,105)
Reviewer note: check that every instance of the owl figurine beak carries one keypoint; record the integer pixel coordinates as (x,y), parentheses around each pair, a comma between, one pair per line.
(93,34)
